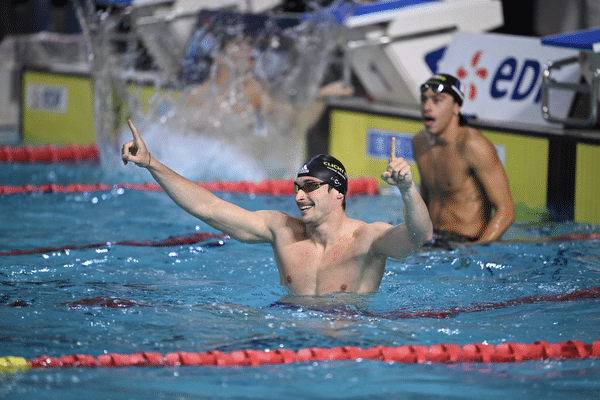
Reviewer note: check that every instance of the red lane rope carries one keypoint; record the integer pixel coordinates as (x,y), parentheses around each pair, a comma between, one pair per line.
(172,241)
(581,294)
(441,353)
(48,154)
(573,236)
(99,301)
(367,186)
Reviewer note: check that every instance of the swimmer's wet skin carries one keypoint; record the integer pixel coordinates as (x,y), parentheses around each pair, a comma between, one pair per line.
(463,180)
(323,251)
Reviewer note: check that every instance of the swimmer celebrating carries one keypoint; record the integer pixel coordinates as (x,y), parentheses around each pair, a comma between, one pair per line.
(462,179)
(324,251)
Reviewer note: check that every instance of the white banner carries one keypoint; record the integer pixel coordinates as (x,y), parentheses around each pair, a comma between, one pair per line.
(502,76)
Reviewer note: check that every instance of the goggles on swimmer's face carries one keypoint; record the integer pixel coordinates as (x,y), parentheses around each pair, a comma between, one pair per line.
(453,89)
(308,186)
(436,87)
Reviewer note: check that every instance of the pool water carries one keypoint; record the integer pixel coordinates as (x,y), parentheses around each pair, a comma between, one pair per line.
(219,294)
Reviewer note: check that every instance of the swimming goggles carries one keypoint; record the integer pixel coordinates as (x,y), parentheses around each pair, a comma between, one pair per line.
(308,186)
(436,87)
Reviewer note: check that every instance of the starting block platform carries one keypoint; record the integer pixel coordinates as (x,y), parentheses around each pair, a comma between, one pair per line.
(587,42)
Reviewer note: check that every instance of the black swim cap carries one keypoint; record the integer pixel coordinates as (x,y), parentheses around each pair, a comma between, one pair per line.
(449,84)
(328,169)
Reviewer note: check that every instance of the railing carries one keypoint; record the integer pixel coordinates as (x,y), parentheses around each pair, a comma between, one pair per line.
(549,83)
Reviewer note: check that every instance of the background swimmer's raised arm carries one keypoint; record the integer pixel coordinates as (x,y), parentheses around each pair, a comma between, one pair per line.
(240,224)
(402,240)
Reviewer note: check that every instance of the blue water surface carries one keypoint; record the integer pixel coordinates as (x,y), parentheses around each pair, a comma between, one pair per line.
(220,295)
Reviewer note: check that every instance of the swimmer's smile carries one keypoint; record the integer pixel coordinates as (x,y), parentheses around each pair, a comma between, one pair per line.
(304,208)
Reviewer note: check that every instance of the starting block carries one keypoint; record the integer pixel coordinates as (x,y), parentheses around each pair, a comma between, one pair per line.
(394,46)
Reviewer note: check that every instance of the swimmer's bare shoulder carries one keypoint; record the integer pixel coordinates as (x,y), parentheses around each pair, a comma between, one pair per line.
(368,235)
(478,145)
(473,136)
(373,229)
(280,223)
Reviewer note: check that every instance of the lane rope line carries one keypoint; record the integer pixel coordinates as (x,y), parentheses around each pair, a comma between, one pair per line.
(580,294)
(411,354)
(172,241)
(364,186)
(49,154)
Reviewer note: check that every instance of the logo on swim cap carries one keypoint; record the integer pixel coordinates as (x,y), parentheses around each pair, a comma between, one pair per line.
(334,166)
(303,170)
(328,169)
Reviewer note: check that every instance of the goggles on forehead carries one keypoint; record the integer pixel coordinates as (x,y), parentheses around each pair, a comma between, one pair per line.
(308,186)
(436,87)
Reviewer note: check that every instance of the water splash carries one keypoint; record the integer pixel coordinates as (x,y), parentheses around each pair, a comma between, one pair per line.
(235,107)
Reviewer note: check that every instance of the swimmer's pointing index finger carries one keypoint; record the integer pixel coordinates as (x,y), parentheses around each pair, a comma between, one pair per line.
(133,147)
(134,131)
(392,149)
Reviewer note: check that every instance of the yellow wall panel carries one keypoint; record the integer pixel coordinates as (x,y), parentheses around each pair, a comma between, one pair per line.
(525,161)
(525,158)
(57,109)
(587,184)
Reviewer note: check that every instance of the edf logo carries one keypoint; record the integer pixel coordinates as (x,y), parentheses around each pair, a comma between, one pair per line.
(502,76)
(518,82)
(526,77)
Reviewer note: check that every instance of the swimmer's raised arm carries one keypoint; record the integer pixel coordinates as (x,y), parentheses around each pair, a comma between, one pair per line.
(240,224)
(402,240)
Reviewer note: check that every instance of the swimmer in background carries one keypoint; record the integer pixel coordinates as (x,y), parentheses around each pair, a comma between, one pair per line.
(321,252)
(463,181)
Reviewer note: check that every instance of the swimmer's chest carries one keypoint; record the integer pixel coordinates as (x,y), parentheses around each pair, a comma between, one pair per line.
(306,255)
(303,263)
(445,169)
